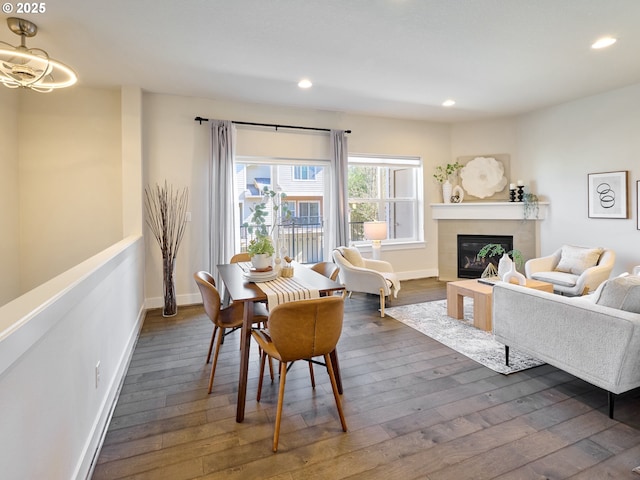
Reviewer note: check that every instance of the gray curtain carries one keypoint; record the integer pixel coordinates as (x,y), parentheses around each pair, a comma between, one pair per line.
(222,230)
(339,217)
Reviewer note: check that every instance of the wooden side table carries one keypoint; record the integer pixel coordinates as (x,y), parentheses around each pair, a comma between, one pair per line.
(481,294)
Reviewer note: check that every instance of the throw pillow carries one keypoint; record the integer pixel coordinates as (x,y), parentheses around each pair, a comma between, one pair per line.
(577,259)
(622,293)
(353,256)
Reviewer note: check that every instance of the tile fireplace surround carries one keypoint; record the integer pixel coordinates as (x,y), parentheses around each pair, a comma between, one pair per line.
(483,218)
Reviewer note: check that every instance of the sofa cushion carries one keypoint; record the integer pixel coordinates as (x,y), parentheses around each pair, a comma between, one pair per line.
(557,278)
(622,293)
(353,256)
(577,259)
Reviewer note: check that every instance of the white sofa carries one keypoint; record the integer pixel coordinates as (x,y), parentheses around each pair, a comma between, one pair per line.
(359,274)
(595,337)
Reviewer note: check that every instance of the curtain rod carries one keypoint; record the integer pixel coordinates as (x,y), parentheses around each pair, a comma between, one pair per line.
(201,119)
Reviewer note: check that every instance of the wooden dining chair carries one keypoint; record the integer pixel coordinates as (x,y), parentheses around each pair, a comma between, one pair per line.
(225,319)
(299,331)
(240,257)
(328,269)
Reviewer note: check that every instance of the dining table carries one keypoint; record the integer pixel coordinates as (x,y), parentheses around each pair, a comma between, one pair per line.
(240,289)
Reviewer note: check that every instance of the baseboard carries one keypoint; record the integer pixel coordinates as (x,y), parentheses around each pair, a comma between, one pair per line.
(184,299)
(414,274)
(103,419)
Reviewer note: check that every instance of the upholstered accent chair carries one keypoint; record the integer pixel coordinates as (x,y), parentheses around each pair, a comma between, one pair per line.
(359,274)
(573,270)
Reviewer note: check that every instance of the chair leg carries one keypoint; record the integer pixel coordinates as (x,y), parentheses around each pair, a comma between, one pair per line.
(313,378)
(381,302)
(215,358)
(263,358)
(283,378)
(213,337)
(336,395)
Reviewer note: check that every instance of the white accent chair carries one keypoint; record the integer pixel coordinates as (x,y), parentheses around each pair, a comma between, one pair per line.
(359,274)
(573,270)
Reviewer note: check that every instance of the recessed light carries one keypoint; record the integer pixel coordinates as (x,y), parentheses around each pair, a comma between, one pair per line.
(305,83)
(448,103)
(603,42)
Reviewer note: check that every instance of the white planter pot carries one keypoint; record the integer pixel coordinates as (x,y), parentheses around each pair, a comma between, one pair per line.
(261,260)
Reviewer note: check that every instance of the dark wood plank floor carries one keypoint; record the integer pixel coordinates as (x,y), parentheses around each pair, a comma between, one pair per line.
(414,408)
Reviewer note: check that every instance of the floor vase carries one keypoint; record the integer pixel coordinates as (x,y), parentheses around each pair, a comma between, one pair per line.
(170,306)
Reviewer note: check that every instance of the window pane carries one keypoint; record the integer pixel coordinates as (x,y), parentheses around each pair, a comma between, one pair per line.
(382,188)
(302,235)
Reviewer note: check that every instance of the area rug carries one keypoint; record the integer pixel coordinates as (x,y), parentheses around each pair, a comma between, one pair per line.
(431,319)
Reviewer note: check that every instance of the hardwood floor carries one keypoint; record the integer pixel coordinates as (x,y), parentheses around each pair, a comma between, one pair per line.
(414,408)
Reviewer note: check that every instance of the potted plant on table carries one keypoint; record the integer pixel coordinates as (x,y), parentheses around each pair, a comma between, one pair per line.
(261,248)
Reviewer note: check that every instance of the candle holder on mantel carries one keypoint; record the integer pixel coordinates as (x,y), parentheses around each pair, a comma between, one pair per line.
(512,194)
(520,193)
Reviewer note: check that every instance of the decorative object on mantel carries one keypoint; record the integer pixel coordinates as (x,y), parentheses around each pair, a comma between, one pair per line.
(167,218)
(483,176)
(502,195)
(530,206)
(443,175)
(457,194)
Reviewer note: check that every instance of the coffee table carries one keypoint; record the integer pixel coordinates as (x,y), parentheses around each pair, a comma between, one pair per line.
(482,297)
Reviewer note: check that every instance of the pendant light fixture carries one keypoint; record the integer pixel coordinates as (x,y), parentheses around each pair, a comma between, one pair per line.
(31,67)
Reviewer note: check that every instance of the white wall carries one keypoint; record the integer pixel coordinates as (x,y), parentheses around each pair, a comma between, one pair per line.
(554,149)
(176,148)
(70,174)
(9,197)
(51,339)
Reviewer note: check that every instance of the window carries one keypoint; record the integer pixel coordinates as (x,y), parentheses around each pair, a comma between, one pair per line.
(305,172)
(309,212)
(302,235)
(389,189)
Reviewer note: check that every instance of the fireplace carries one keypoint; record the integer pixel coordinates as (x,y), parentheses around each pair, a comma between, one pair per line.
(469,265)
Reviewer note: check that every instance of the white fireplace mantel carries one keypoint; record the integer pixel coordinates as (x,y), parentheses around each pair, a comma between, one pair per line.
(485,211)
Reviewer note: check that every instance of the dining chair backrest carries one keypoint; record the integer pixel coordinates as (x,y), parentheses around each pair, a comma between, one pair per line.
(240,257)
(328,269)
(210,295)
(306,328)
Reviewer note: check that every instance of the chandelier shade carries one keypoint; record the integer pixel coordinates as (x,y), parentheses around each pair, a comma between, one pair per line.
(31,67)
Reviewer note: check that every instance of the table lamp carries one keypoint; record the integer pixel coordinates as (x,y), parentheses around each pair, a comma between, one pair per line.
(375,231)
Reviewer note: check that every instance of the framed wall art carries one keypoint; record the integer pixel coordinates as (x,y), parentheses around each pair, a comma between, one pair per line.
(607,195)
(638,204)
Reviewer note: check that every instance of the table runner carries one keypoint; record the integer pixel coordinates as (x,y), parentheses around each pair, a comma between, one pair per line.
(283,290)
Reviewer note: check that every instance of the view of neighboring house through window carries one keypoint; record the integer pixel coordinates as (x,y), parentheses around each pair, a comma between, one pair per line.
(388,189)
(302,235)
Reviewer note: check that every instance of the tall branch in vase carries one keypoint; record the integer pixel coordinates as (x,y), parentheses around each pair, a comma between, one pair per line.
(167,218)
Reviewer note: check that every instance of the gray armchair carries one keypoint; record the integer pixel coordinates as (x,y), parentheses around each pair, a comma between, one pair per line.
(573,270)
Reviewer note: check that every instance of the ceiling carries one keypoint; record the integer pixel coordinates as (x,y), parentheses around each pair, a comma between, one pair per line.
(398,58)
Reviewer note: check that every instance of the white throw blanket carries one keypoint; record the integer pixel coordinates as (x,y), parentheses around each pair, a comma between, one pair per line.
(284,289)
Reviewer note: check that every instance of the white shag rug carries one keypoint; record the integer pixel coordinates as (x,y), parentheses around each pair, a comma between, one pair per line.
(431,319)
